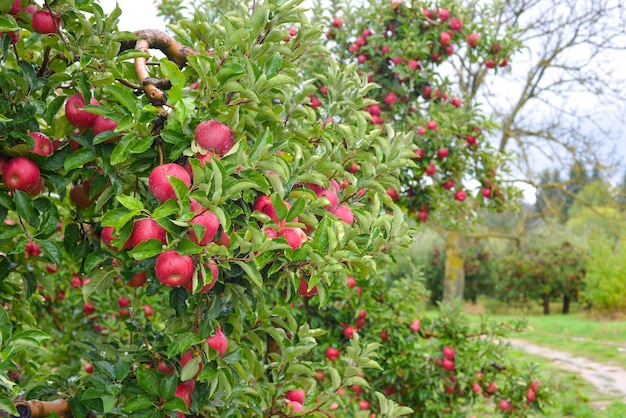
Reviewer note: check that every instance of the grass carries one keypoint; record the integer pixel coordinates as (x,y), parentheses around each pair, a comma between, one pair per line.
(572,396)
(601,340)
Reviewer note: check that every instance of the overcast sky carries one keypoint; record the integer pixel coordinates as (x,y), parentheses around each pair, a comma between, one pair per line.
(136,14)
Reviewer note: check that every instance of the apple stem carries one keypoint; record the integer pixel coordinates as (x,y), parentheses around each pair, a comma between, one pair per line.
(44,64)
(56,24)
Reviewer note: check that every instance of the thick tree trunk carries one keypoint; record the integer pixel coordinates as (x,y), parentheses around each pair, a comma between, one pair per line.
(566,301)
(546,304)
(454,278)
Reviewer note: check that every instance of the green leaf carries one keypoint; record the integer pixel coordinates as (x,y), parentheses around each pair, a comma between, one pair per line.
(167,208)
(6,328)
(274,64)
(183,343)
(52,251)
(24,206)
(149,381)
(130,202)
(253,274)
(94,260)
(296,209)
(137,403)
(191,368)
(101,281)
(168,384)
(79,158)
(147,249)
(186,247)
(6,405)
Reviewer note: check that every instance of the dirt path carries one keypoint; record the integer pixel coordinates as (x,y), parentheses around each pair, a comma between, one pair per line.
(610,380)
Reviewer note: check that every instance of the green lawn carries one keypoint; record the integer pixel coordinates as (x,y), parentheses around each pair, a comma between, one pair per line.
(601,340)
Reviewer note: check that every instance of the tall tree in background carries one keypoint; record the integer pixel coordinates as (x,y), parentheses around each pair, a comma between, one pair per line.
(555,103)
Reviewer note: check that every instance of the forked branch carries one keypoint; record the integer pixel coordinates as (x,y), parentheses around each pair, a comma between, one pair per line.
(173,50)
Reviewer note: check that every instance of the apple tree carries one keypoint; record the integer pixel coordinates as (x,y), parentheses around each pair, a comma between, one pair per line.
(161,216)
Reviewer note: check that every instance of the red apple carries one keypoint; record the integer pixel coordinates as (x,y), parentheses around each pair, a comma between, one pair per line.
(20,173)
(456,102)
(218,341)
(16,7)
(460,195)
(448,352)
(107,237)
(535,385)
(393,194)
(173,269)
(447,364)
(504,405)
(74,113)
(349,331)
(88,368)
(384,335)
(123,302)
(351,282)
(364,405)
(32,249)
(293,407)
(331,195)
(296,395)
(445,38)
(473,39)
(530,395)
(184,391)
(214,136)
(486,192)
(391,98)
(337,22)
(332,353)
(442,153)
(432,125)
(147,309)
(213,277)
(79,195)
(264,204)
(448,184)
(295,237)
(138,280)
(146,229)
(303,289)
(159,183)
(43,145)
(415,325)
(456,24)
(211,224)
(45,23)
(104,124)
(344,213)
(444,14)
(89,308)
(164,368)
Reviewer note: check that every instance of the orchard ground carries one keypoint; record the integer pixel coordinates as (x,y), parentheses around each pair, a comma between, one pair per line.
(584,357)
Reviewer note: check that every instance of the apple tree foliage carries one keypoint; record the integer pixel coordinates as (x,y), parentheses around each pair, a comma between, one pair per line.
(542,270)
(85,317)
(407,49)
(72,325)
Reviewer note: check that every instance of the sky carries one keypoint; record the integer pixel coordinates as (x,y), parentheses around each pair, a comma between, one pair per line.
(136,14)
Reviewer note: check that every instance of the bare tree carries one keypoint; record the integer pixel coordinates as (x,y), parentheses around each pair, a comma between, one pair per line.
(561,100)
